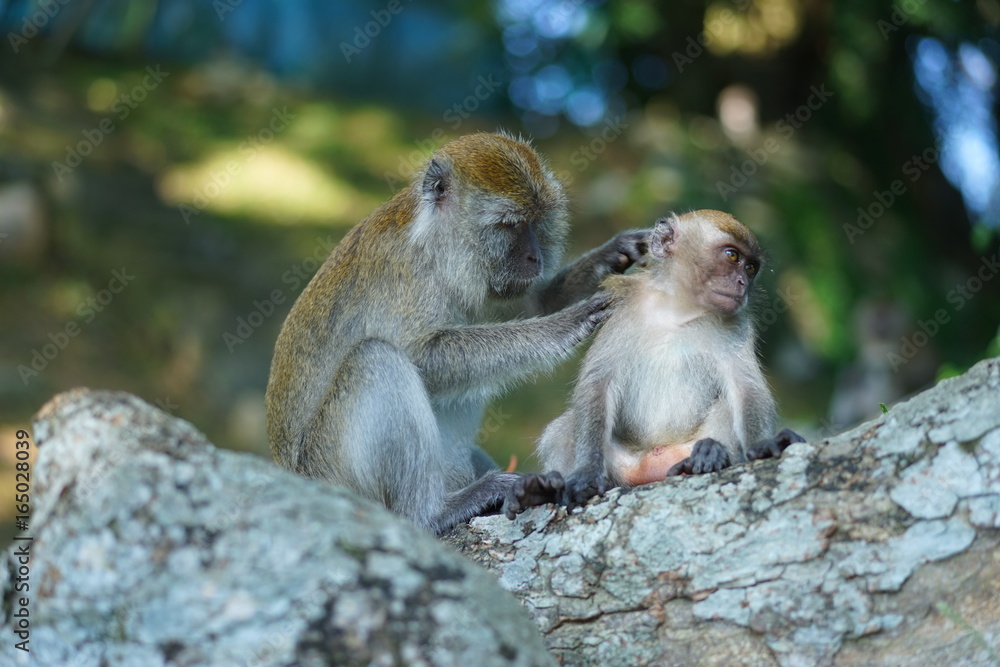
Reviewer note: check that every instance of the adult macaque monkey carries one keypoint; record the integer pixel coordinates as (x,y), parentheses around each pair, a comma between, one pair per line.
(672,383)
(384,365)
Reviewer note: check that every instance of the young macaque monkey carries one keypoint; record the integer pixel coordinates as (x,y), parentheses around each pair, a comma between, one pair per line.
(672,384)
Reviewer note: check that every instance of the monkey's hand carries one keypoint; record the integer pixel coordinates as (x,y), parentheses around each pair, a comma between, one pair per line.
(531,491)
(621,252)
(774,447)
(581,278)
(592,312)
(582,486)
(707,455)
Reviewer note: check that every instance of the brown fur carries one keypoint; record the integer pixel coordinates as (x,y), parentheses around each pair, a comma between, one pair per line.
(732,227)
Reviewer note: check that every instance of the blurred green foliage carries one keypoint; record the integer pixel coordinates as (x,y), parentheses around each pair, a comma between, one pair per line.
(222,188)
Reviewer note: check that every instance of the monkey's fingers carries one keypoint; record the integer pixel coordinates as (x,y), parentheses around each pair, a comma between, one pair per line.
(682,467)
(598,309)
(512,500)
(511,508)
(542,489)
(769,449)
(551,482)
(707,455)
(582,487)
(627,248)
(600,302)
(788,437)
(774,447)
(532,490)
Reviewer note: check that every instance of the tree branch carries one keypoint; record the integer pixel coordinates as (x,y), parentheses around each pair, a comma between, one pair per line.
(875,546)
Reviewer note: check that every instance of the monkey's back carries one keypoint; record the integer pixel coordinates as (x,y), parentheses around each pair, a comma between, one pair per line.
(357,294)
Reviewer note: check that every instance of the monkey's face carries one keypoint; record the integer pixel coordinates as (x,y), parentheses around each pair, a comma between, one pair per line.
(711,254)
(502,211)
(519,247)
(730,274)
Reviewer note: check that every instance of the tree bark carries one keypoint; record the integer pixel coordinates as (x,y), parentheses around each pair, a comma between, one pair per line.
(878,546)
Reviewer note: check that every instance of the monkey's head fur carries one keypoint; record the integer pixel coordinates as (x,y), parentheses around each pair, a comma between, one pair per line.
(495,213)
(707,257)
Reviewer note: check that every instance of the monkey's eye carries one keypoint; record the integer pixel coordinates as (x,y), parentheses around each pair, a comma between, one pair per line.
(751,269)
(732,255)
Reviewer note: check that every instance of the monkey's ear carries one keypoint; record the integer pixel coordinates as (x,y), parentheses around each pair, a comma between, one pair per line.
(662,238)
(437,182)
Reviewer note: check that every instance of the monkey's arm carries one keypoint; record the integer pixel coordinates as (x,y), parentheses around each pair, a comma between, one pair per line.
(595,408)
(581,278)
(482,357)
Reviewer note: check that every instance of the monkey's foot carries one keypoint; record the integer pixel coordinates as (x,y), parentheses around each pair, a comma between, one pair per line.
(707,455)
(532,490)
(581,487)
(774,447)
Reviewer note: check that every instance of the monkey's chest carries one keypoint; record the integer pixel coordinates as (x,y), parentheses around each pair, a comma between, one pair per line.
(667,398)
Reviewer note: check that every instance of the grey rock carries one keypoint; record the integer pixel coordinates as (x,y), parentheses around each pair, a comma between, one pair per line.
(152,547)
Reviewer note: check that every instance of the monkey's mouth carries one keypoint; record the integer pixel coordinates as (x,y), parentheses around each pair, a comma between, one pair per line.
(737,298)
